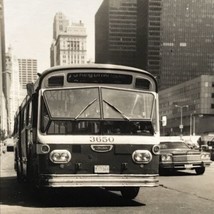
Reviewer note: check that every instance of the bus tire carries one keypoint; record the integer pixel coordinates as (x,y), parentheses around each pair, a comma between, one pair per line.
(200,170)
(129,192)
(18,171)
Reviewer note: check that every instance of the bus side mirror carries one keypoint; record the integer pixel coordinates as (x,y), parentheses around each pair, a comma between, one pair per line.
(164,120)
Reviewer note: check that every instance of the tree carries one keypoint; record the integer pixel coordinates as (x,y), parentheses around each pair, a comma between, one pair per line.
(2,135)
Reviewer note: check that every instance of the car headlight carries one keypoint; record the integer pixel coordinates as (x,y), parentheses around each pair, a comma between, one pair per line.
(60,156)
(141,156)
(205,156)
(166,158)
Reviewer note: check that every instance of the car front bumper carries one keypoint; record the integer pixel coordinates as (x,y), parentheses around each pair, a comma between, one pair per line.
(185,165)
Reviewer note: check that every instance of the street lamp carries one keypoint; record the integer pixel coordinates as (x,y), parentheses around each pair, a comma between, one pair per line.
(181,110)
(193,122)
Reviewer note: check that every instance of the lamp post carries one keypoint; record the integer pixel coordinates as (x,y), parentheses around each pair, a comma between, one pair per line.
(181,110)
(193,122)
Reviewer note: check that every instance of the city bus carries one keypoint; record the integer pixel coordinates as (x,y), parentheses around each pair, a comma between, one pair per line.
(92,125)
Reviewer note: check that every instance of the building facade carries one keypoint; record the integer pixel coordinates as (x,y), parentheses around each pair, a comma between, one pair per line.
(189,107)
(116,32)
(27,71)
(187,40)
(171,39)
(127,32)
(69,42)
(14,98)
(3,109)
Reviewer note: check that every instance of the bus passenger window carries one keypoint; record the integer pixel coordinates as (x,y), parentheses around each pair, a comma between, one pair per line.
(143,84)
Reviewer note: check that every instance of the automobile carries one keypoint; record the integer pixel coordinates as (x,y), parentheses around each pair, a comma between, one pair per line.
(211,146)
(177,155)
(206,142)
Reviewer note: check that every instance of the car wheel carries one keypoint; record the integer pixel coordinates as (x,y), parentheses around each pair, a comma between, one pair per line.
(200,170)
(130,192)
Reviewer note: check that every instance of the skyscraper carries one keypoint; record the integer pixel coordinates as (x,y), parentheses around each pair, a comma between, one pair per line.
(172,39)
(187,38)
(69,42)
(116,32)
(127,32)
(27,71)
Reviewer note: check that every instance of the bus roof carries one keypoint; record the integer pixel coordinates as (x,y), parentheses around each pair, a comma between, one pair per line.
(37,84)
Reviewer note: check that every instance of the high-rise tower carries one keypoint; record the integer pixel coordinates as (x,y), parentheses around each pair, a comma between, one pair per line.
(127,32)
(27,71)
(69,42)
(187,39)
(116,32)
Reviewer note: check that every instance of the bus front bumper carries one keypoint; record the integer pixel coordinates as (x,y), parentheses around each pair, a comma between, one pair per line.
(96,180)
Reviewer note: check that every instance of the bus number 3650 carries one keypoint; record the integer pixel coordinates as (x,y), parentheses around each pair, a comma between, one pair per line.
(102,139)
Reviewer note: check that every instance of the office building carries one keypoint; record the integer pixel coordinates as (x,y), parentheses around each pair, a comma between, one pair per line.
(171,39)
(27,71)
(115,32)
(187,35)
(69,42)
(127,32)
(189,107)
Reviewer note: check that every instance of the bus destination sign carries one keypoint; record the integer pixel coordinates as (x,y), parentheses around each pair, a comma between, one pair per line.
(104,78)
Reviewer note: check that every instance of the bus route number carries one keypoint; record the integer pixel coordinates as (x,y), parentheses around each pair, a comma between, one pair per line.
(102,139)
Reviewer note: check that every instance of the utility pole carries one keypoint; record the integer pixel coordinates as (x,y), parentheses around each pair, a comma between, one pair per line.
(181,120)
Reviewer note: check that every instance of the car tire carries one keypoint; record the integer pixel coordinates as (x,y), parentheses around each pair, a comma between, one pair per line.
(200,170)
(130,192)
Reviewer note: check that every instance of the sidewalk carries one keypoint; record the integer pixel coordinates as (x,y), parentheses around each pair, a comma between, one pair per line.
(7,164)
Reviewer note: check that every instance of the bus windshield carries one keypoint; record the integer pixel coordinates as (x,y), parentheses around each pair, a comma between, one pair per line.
(97,110)
(88,104)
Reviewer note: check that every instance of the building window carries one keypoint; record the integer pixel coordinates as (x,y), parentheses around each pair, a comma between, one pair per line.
(212,95)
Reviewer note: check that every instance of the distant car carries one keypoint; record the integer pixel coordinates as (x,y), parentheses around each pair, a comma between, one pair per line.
(211,146)
(176,155)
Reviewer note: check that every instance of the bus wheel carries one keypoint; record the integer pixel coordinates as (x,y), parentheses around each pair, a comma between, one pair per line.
(200,170)
(129,192)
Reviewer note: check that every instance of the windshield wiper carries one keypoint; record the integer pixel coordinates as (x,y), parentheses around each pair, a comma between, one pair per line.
(87,106)
(117,110)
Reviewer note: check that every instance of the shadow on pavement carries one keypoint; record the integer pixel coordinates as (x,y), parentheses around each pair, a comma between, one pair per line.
(179,173)
(15,194)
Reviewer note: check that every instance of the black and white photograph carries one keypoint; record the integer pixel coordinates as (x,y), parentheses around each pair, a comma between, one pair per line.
(106,106)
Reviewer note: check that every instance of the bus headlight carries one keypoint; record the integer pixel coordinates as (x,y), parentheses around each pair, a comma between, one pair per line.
(141,156)
(60,156)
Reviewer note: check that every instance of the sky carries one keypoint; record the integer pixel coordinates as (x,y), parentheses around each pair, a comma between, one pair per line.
(29,26)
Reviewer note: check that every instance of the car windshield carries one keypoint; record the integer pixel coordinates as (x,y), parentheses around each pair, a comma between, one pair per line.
(173,145)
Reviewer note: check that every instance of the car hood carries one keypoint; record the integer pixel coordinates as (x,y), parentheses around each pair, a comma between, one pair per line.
(179,151)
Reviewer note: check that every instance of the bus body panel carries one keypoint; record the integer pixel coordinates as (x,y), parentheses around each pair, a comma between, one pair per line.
(97,159)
